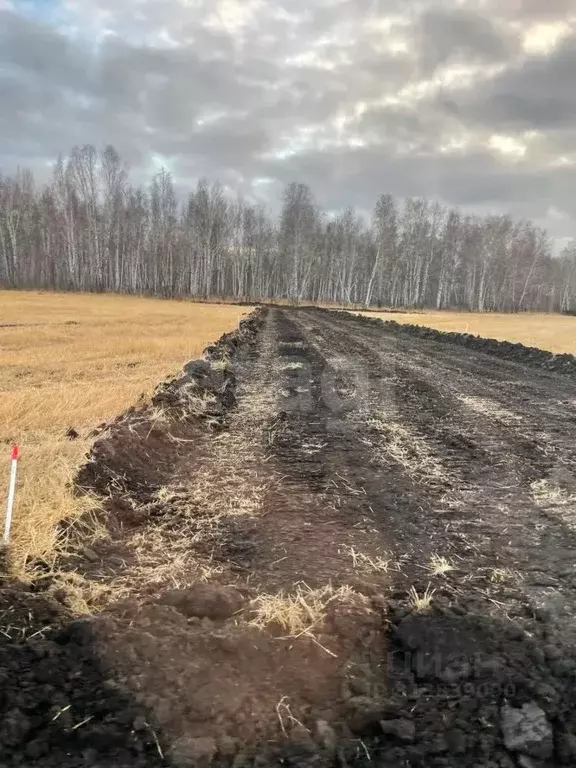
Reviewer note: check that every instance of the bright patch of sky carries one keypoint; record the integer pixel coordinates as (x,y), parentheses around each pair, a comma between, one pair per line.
(50,11)
(543,38)
(510,146)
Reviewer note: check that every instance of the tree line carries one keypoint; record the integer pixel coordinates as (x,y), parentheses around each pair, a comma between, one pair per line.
(90,229)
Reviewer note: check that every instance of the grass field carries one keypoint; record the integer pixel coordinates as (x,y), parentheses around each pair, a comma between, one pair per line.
(74,361)
(556,333)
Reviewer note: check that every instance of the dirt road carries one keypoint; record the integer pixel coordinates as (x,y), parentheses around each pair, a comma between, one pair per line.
(332,543)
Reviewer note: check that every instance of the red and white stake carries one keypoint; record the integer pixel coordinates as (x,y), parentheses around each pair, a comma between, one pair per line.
(11,493)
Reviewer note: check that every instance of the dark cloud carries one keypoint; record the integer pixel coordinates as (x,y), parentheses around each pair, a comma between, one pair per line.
(457,33)
(227,144)
(422,129)
(538,93)
(540,10)
(35,51)
(43,81)
(475,182)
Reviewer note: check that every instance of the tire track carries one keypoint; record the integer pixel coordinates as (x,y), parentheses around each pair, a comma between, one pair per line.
(492,459)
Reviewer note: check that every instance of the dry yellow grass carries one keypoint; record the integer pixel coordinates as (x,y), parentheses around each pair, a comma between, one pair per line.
(556,333)
(303,610)
(70,360)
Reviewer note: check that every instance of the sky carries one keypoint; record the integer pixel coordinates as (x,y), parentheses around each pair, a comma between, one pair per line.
(469,102)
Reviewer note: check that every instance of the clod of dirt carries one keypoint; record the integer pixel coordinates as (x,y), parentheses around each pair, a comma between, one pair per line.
(227,746)
(205,601)
(527,730)
(527,762)
(435,637)
(326,735)
(198,368)
(90,555)
(403,730)
(566,747)
(15,728)
(193,753)
(365,715)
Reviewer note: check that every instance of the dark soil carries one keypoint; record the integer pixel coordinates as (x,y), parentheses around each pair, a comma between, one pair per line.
(536,358)
(363,452)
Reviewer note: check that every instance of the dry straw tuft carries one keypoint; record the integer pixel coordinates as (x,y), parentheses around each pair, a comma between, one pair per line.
(302,611)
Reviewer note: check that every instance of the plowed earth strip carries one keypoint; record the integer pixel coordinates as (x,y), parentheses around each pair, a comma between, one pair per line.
(359,471)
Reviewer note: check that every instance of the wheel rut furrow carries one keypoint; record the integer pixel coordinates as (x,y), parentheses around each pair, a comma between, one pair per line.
(483,432)
(489,467)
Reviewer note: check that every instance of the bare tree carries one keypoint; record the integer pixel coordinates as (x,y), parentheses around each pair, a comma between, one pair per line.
(298,224)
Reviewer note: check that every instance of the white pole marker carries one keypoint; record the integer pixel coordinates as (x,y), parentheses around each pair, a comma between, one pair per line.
(11,493)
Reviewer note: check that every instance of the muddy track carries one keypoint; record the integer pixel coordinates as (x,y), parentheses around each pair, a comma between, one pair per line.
(530,356)
(344,469)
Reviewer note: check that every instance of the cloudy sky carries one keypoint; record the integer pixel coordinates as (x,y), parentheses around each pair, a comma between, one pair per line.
(471,102)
